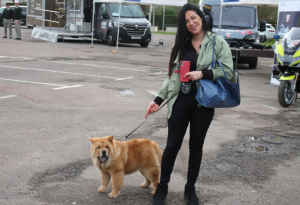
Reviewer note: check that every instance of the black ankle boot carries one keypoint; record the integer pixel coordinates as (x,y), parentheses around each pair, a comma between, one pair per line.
(190,195)
(159,198)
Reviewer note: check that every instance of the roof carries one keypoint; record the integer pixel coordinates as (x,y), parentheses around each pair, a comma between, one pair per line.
(148,2)
(241,2)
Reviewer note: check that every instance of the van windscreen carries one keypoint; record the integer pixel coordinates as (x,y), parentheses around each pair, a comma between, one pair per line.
(127,10)
(235,17)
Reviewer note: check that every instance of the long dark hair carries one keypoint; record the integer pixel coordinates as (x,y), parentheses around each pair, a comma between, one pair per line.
(183,34)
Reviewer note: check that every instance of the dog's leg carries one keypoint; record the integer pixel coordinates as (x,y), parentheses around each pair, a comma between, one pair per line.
(153,175)
(147,181)
(105,178)
(117,181)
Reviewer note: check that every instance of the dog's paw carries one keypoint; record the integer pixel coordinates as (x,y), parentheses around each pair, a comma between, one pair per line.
(145,185)
(113,195)
(153,192)
(101,189)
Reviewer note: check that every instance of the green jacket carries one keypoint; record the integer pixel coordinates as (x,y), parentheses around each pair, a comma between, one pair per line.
(8,14)
(171,85)
(18,13)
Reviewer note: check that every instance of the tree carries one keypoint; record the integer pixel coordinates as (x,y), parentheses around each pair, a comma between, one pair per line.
(196,2)
(170,11)
(269,14)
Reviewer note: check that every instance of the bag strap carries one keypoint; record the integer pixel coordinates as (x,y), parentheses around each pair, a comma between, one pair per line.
(218,61)
(213,56)
(238,79)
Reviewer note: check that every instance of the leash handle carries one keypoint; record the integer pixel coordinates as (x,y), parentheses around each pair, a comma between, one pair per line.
(148,112)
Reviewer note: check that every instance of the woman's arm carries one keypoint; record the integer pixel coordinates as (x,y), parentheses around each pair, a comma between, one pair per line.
(223,54)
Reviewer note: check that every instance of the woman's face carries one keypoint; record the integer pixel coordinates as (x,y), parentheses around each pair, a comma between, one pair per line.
(193,22)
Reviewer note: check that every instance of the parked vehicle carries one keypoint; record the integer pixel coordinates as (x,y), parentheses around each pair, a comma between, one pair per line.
(133,26)
(1,15)
(239,27)
(268,33)
(287,51)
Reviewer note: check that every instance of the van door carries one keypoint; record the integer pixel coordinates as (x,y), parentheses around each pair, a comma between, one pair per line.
(102,21)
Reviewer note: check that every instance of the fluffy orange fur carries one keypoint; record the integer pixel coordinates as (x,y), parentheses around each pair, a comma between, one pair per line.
(115,159)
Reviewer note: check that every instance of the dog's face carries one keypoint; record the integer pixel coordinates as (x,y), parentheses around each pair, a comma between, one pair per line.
(102,149)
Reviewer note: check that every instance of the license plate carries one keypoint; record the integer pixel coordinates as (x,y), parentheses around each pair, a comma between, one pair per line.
(136,37)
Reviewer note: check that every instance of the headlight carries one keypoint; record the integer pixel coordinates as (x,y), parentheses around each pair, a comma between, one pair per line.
(116,25)
(251,37)
(148,25)
(110,24)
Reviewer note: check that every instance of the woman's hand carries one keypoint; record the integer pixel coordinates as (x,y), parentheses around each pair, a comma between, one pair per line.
(152,108)
(194,75)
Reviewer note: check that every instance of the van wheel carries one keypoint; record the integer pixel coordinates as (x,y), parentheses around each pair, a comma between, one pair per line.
(253,64)
(109,40)
(144,45)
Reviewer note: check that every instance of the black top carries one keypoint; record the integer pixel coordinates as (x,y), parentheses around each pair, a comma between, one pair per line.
(18,13)
(8,13)
(192,56)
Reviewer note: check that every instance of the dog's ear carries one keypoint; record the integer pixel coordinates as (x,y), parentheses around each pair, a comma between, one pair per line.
(92,140)
(111,139)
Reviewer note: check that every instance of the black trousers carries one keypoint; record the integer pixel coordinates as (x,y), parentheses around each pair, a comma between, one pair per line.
(186,110)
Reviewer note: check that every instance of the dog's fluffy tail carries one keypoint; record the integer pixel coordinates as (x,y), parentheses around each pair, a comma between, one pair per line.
(158,150)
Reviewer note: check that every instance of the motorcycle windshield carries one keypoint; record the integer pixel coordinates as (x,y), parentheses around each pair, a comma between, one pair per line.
(292,37)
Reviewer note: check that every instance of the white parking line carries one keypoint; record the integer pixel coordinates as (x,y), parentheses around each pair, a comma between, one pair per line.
(72,86)
(155,93)
(65,72)
(102,66)
(123,78)
(15,57)
(60,86)
(8,96)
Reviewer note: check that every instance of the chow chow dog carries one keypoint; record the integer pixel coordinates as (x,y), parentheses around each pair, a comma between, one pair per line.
(115,159)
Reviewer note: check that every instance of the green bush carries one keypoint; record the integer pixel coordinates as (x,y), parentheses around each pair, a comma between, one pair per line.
(269,42)
(170,20)
(170,11)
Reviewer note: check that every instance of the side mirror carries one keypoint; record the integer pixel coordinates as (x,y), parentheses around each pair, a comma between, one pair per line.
(147,16)
(262,25)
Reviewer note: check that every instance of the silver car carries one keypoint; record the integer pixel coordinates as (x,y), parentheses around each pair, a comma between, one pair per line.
(268,34)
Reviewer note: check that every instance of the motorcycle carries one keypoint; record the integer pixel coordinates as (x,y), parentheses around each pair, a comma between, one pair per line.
(287,69)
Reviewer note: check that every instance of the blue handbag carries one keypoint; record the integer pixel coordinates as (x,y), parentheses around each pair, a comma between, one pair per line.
(219,93)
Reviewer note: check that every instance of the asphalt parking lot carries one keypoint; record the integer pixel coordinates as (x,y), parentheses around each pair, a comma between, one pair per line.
(54,96)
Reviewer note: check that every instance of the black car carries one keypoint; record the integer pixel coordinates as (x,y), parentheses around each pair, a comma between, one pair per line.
(1,15)
(24,14)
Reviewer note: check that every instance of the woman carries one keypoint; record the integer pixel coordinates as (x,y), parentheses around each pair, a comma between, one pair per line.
(194,43)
